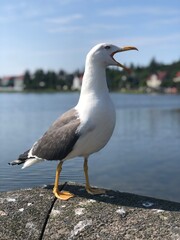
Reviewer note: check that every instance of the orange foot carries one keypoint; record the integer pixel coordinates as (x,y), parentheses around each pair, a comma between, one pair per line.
(95,191)
(62,195)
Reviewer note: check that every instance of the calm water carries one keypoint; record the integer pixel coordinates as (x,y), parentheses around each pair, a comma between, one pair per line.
(143,155)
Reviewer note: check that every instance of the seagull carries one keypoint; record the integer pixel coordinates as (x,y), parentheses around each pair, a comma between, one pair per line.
(84,129)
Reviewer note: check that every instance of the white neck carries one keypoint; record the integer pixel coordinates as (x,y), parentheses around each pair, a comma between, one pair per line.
(94,80)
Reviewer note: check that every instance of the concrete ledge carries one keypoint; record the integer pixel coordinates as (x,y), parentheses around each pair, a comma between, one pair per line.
(36,214)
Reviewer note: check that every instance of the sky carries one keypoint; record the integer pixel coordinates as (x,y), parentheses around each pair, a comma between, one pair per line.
(57,34)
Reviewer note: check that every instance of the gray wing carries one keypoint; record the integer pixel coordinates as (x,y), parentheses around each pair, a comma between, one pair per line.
(60,138)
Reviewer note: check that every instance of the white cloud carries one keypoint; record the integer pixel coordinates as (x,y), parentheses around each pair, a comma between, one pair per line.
(112,26)
(88,29)
(63,24)
(124,11)
(166,21)
(148,40)
(66,2)
(66,29)
(65,19)
(144,41)
(12,12)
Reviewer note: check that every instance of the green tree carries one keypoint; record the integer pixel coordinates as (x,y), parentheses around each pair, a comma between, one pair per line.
(153,66)
(113,78)
(61,79)
(51,80)
(39,79)
(27,80)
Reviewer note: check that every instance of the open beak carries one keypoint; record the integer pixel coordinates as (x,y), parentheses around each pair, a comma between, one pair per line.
(123,50)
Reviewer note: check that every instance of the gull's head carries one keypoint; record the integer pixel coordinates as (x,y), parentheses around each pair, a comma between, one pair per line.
(103,54)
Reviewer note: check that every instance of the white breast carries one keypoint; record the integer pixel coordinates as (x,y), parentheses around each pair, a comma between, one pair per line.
(97,125)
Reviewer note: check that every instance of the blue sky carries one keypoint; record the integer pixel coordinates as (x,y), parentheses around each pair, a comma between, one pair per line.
(57,34)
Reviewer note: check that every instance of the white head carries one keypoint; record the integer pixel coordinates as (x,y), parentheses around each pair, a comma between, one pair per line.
(103,54)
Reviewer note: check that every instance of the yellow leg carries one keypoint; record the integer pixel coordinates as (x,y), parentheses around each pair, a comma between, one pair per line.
(63,195)
(89,189)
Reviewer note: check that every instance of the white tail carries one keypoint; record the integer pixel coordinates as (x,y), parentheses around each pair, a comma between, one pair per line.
(31,161)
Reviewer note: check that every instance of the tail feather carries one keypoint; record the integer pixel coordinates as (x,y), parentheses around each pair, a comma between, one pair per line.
(22,159)
(31,161)
(26,160)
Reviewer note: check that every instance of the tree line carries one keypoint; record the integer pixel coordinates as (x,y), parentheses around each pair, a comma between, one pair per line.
(48,80)
(116,78)
(139,75)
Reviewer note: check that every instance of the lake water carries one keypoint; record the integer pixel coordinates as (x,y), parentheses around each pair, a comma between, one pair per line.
(143,155)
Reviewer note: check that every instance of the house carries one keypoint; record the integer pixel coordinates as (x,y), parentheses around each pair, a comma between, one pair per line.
(12,83)
(77,82)
(177,77)
(154,81)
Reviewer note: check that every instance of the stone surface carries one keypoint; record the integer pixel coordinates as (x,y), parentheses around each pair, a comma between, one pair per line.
(23,212)
(113,215)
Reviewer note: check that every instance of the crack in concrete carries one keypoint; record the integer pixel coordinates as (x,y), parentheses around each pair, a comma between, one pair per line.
(49,212)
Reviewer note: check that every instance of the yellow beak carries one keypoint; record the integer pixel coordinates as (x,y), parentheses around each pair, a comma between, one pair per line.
(127,48)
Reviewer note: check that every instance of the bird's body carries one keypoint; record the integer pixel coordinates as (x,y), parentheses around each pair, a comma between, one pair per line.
(96,111)
(87,127)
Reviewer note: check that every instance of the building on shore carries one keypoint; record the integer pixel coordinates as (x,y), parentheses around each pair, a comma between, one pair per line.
(155,80)
(77,82)
(176,79)
(12,83)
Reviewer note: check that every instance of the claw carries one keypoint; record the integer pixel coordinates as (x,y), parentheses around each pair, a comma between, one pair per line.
(63,195)
(95,191)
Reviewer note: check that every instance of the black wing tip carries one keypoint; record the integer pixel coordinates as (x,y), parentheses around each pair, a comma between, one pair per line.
(16,162)
(22,158)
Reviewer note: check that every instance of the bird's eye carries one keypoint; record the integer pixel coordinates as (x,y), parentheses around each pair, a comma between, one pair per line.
(107,47)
